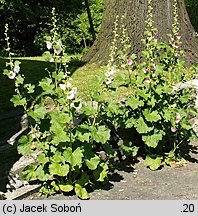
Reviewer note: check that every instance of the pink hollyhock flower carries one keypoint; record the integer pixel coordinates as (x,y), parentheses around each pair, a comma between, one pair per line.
(148,80)
(173,129)
(171,40)
(153,67)
(176,45)
(130,61)
(177,36)
(145,70)
(177,118)
(178,56)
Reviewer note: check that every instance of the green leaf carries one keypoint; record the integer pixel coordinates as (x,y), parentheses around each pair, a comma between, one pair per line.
(151,116)
(18,101)
(89,109)
(17,63)
(38,113)
(29,173)
(100,134)
(60,117)
(142,127)
(58,169)
(74,158)
(83,134)
(25,145)
(55,186)
(47,56)
(93,162)
(47,85)
(129,150)
(153,140)
(143,93)
(101,172)
(58,157)
(167,114)
(152,101)
(130,122)
(30,88)
(153,161)
(59,134)
(81,192)
(134,102)
(42,159)
(40,173)
(84,180)
(66,188)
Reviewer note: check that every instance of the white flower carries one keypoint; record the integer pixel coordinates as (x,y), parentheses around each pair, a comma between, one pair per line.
(109,80)
(111,72)
(71,95)
(68,84)
(11,75)
(49,45)
(58,49)
(52,60)
(95,104)
(59,42)
(16,68)
(63,86)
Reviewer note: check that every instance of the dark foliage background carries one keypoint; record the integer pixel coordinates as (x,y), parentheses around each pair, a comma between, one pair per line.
(29,23)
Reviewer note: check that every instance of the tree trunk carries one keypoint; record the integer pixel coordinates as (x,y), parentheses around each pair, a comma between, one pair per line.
(92,31)
(135,13)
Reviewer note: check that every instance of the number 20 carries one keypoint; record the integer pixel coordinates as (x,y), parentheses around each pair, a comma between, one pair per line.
(189,207)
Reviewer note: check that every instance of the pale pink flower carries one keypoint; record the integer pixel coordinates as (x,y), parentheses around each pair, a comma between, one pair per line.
(148,80)
(177,118)
(173,129)
(145,70)
(153,67)
(130,61)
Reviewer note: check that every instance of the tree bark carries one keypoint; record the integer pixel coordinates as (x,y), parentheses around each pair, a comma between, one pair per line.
(135,12)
